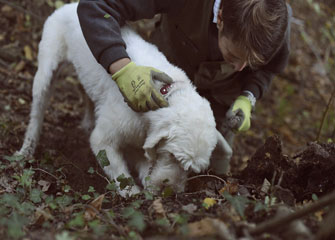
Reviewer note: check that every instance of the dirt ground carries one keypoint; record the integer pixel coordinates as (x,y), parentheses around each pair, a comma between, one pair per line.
(277,163)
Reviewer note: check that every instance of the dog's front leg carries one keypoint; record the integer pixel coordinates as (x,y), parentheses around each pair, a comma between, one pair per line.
(116,168)
(117,165)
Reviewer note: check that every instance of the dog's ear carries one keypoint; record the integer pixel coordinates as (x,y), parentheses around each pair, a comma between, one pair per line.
(221,155)
(154,137)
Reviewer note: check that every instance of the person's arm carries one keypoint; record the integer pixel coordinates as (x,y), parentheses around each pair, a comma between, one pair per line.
(100,21)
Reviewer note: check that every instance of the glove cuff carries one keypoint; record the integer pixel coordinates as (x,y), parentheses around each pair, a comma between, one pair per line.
(250,97)
(126,68)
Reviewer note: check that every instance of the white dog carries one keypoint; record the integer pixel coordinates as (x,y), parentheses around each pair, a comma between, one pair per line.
(164,144)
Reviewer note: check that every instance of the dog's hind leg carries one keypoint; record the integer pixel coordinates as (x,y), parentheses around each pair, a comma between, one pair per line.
(39,104)
(51,53)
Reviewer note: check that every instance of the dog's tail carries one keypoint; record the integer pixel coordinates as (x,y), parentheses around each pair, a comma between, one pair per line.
(51,52)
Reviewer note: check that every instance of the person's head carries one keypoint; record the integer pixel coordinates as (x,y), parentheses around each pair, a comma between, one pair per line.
(251,31)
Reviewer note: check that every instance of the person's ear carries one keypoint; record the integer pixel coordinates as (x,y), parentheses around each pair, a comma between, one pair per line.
(220,21)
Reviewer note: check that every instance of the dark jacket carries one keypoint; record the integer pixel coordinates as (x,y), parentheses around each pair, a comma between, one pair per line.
(190,42)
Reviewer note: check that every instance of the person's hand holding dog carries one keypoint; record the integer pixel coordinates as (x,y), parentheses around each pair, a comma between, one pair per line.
(136,84)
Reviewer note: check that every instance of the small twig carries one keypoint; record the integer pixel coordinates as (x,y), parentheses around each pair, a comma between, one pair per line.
(280,178)
(71,164)
(325,114)
(312,47)
(111,222)
(103,177)
(212,176)
(274,178)
(333,134)
(42,170)
(317,54)
(3,63)
(274,223)
(197,192)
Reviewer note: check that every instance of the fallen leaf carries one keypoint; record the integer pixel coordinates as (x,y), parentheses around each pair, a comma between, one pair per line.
(96,203)
(204,227)
(209,202)
(7,185)
(22,101)
(28,53)
(41,215)
(268,155)
(230,187)
(189,208)
(319,215)
(45,185)
(20,66)
(158,208)
(266,186)
(65,235)
(6,8)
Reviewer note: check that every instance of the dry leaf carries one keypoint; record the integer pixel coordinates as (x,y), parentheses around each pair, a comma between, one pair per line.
(20,66)
(45,185)
(158,209)
(209,202)
(6,8)
(22,101)
(28,53)
(230,187)
(266,186)
(189,208)
(201,228)
(7,185)
(319,215)
(96,203)
(41,215)
(268,155)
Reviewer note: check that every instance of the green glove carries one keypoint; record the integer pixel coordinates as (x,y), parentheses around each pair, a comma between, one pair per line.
(238,116)
(136,84)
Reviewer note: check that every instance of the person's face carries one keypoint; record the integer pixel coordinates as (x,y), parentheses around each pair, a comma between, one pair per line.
(232,54)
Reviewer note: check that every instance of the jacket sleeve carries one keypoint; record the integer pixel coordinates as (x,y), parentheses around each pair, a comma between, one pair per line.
(100,21)
(258,82)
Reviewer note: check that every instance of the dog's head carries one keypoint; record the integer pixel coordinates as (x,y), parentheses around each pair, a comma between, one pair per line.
(185,130)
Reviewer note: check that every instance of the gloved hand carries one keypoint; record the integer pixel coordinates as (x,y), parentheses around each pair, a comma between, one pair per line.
(238,116)
(136,84)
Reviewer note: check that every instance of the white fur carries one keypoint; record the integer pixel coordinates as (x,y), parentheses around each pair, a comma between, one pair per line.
(164,144)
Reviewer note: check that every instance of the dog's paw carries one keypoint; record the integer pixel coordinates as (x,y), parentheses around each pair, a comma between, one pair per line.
(26,153)
(125,193)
